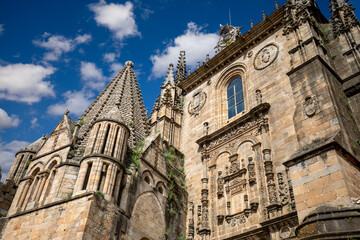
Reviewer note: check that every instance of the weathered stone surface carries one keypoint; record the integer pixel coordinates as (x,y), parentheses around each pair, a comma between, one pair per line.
(257,158)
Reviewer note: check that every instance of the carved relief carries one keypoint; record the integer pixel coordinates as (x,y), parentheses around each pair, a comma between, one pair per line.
(237,186)
(220,185)
(191,221)
(198,218)
(266,56)
(228,35)
(296,13)
(252,174)
(197,103)
(285,232)
(283,190)
(310,106)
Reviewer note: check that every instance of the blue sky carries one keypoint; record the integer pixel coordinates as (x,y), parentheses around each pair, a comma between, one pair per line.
(58,55)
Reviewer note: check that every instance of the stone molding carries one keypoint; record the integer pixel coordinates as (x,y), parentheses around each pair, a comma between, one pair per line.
(249,40)
(251,120)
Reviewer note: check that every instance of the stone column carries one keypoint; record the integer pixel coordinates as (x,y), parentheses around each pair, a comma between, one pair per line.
(24,193)
(81,177)
(42,184)
(108,179)
(36,188)
(117,184)
(269,173)
(48,183)
(112,181)
(95,175)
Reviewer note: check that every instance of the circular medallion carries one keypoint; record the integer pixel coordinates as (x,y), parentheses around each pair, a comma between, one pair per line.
(266,56)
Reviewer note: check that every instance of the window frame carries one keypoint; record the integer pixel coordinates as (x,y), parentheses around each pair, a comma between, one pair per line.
(235,106)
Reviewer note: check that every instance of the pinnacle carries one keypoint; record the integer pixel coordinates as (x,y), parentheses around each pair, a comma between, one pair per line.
(170,76)
(129,64)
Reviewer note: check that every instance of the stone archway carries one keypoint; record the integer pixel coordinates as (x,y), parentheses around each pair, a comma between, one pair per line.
(147,219)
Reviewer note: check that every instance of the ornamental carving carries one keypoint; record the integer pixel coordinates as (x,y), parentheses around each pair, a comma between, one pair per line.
(283,190)
(266,56)
(220,185)
(228,35)
(197,103)
(248,123)
(310,106)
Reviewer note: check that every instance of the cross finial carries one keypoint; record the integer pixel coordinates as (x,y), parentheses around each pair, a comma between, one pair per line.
(66,112)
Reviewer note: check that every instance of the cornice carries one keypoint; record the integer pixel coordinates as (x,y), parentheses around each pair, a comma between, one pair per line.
(237,127)
(250,39)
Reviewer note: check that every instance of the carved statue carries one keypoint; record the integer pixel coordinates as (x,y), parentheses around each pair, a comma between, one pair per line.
(258,97)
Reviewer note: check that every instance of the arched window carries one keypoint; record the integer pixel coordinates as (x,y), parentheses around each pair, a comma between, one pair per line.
(235,97)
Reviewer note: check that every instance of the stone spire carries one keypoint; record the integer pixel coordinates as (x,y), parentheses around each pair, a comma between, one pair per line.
(181,68)
(121,93)
(170,76)
(343,17)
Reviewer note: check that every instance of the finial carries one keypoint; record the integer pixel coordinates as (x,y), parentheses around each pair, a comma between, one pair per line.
(189,71)
(181,68)
(276,5)
(198,65)
(263,15)
(66,112)
(129,64)
(251,24)
(207,57)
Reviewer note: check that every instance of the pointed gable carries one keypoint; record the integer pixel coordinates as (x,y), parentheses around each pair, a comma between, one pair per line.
(61,136)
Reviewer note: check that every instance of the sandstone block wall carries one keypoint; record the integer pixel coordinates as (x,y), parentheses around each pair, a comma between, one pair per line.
(83,217)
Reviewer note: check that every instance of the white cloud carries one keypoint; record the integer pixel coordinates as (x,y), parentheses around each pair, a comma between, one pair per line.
(92,75)
(109,57)
(7,121)
(34,123)
(58,45)
(194,41)
(115,69)
(83,38)
(2,29)
(7,154)
(146,13)
(75,101)
(118,18)
(25,82)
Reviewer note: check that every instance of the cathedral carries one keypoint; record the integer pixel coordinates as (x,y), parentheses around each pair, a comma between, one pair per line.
(261,141)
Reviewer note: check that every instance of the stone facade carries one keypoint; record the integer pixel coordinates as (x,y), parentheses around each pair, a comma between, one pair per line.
(260,142)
